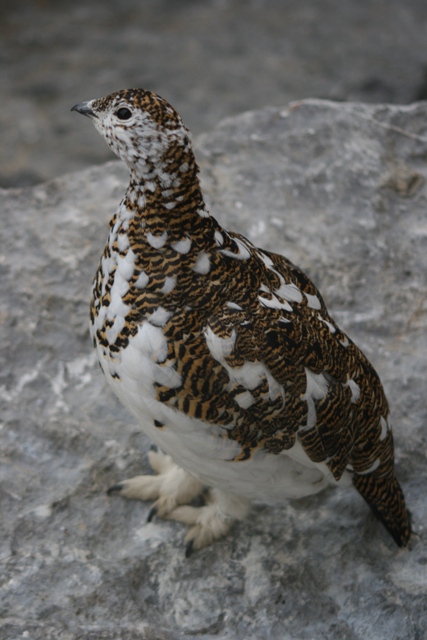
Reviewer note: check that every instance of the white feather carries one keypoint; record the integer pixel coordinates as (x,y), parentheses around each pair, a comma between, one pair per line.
(355,390)
(242,254)
(182,246)
(157,242)
(202,264)
(142,280)
(219,347)
(317,388)
(313,301)
(289,292)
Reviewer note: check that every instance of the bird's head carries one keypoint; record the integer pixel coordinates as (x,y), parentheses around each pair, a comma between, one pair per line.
(139,126)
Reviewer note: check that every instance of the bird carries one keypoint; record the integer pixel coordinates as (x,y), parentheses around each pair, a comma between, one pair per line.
(224,352)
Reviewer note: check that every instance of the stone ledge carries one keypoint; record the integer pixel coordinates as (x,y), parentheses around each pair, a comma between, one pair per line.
(338,188)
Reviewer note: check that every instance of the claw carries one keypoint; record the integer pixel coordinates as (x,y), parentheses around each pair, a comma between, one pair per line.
(189,548)
(116,488)
(152,513)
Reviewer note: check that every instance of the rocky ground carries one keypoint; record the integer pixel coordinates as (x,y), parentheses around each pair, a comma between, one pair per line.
(339,188)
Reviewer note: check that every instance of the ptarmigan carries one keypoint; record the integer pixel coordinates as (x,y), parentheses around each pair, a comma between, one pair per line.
(225,353)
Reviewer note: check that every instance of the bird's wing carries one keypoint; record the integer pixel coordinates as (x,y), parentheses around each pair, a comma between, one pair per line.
(272,367)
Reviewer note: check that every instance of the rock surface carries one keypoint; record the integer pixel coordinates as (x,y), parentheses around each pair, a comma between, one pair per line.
(210,59)
(341,190)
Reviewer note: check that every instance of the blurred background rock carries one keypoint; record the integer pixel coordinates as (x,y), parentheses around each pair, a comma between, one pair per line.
(209,58)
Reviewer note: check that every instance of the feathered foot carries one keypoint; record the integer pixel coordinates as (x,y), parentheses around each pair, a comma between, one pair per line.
(173,489)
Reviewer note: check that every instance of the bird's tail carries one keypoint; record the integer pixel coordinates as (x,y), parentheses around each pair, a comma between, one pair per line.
(385,497)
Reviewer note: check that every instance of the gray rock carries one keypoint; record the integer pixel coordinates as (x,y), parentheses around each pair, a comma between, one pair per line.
(341,190)
(210,59)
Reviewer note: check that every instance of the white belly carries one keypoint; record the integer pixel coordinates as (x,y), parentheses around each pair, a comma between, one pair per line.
(200,448)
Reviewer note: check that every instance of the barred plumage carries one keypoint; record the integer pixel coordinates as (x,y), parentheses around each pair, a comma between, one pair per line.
(225,353)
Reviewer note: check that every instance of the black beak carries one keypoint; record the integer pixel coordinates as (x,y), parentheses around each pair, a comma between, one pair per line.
(83,108)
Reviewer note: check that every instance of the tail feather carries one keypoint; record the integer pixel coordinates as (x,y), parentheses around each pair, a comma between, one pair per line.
(385,497)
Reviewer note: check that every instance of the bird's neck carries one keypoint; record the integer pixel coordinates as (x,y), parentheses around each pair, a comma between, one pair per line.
(162,233)
(165,196)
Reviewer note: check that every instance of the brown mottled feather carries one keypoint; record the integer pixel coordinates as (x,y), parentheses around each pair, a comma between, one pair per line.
(347,434)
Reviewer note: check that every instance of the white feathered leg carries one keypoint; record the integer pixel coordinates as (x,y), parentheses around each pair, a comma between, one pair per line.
(211,521)
(172,486)
(172,489)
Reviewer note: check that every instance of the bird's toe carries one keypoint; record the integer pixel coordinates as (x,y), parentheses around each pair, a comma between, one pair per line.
(116,488)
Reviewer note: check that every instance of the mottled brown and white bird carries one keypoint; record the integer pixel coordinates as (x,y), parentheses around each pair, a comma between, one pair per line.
(224,353)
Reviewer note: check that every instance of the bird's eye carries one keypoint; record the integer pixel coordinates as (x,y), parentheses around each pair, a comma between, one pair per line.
(123,113)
